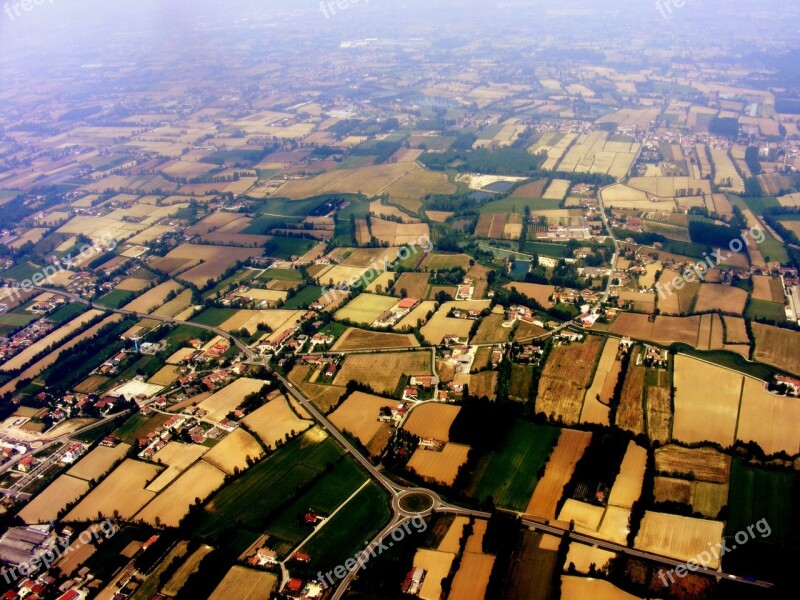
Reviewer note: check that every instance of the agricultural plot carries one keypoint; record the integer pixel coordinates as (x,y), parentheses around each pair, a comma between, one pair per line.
(171,505)
(706,401)
(557,189)
(190,566)
(725,174)
(583,557)
(275,421)
(768,419)
(680,302)
(628,485)
(122,491)
(728,299)
(703,464)
(436,262)
(226,400)
(152,299)
(277,320)
(665,330)
(560,467)
(361,368)
(358,415)
(45,507)
(706,498)
(245,584)
(234,452)
(681,538)
(415,284)
(659,413)
(565,379)
(777,347)
(418,316)
(472,577)
(98,462)
(580,588)
(535,291)
(439,466)
(178,457)
(398,234)
(441,325)
(491,330)
(630,412)
(365,308)
(432,421)
(359,339)
(768,289)
(598,396)
(436,565)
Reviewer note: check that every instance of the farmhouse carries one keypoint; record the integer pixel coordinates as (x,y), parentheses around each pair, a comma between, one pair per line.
(72,454)
(413,581)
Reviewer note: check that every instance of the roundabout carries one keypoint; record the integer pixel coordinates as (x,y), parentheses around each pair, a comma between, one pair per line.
(415,502)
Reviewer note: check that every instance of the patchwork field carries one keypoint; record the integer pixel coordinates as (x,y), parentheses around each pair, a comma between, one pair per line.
(358,415)
(98,462)
(45,507)
(560,467)
(704,497)
(274,421)
(706,401)
(628,485)
(726,298)
(178,457)
(152,299)
(630,412)
(361,368)
(598,396)
(777,347)
(122,491)
(681,538)
(436,565)
(365,308)
(229,398)
(232,453)
(359,339)
(432,421)
(565,379)
(441,325)
(704,464)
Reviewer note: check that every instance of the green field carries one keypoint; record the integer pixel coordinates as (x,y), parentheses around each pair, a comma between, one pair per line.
(214,317)
(764,494)
(346,532)
(546,249)
(766,310)
(304,297)
(138,426)
(324,497)
(15,320)
(66,313)
(21,271)
(115,298)
(510,474)
(251,500)
(281,275)
(518,205)
(286,247)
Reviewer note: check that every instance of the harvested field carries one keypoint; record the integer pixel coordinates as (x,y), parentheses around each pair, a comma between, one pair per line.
(558,471)
(769,289)
(565,379)
(55,337)
(245,584)
(398,234)
(670,489)
(473,575)
(415,284)
(581,588)
(358,415)
(381,283)
(98,462)
(365,308)
(359,339)
(188,568)
(435,262)
(55,497)
(665,330)
(275,421)
(587,516)
(705,498)
(441,325)
(726,298)
(171,505)
(706,401)
(439,466)
(616,525)
(324,397)
(594,410)
(706,464)
(233,452)
(630,412)
(557,189)
(277,320)
(167,375)
(768,419)
(229,398)
(451,540)
(483,384)
(436,565)
(417,315)
(361,368)
(432,421)
(123,491)
(777,347)
(659,413)
(583,557)
(132,285)
(178,457)
(677,301)
(681,538)
(152,299)
(628,485)
(535,291)
(491,330)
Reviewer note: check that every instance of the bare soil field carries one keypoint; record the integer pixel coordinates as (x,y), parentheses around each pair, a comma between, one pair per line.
(415,284)
(726,298)
(228,398)
(659,414)
(628,485)
(359,339)
(566,377)
(171,505)
(232,453)
(536,291)
(361,368)
(46,506)
(274,421)
(679,302)
(630,413)
(178,457)
(439,466)
(777,347)
(123,491)
(681,538)
(432,421)
(558,471)
(768,288)
(491,331)
(152,299)
(768,419)
(132,285)
(706,401)
(398,234)
(98,462)
(358,415)
(706,464)
(245,584)
(434,261)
